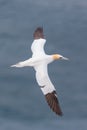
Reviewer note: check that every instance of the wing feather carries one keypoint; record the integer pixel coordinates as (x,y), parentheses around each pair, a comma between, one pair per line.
(53,102)
(38,33)
(37,47)
(48,88)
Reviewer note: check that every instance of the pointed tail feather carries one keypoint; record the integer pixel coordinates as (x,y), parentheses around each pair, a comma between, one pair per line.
(17,65)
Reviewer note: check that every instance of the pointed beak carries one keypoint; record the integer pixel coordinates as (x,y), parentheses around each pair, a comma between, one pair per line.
(64,58)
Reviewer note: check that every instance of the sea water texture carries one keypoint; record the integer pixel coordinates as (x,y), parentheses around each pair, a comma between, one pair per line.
(22,104)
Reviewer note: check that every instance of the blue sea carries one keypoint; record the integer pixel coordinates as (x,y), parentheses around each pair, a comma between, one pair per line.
(22,104)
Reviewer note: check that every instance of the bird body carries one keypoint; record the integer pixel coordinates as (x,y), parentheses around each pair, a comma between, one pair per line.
(39,61)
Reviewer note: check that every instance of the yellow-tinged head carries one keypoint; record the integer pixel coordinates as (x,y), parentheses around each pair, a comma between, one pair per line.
(57,57)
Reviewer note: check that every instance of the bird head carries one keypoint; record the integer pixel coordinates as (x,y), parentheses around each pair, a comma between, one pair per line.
(57,57)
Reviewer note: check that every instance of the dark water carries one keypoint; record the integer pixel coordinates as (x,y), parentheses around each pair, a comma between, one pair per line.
(22,104)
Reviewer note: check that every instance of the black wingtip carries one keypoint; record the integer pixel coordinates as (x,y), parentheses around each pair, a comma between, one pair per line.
(53,102)
(38,33)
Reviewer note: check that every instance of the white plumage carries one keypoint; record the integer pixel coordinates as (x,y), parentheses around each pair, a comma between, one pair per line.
(37,47)
(40,61)
(41,68)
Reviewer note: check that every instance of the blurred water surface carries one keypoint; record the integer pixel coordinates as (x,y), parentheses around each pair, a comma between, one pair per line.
(22,104)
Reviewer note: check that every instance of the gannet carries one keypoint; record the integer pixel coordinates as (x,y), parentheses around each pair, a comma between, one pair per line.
(39,61)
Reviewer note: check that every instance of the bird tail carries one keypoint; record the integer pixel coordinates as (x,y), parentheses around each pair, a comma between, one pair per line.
(24,63)
(19,65)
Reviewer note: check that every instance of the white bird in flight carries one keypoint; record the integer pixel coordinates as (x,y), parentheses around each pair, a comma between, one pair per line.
(39,61)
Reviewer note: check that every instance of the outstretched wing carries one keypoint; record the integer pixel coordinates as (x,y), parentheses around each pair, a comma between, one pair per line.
(47,88)
(38,43)
(37,47)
